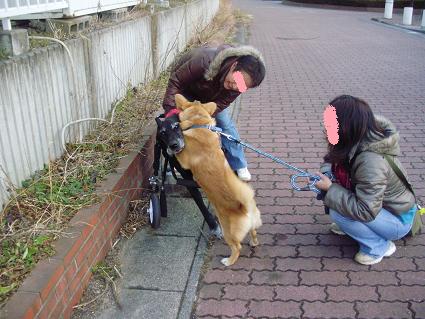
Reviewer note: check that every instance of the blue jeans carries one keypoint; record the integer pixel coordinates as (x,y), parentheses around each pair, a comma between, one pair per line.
(373,237)
(233,151)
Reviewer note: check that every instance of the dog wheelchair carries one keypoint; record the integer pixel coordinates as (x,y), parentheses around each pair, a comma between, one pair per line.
(163,163)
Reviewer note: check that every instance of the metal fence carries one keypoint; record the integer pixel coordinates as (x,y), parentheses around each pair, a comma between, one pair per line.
(11,8)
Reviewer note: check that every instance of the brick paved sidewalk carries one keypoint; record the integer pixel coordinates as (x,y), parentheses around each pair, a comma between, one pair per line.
(301,270)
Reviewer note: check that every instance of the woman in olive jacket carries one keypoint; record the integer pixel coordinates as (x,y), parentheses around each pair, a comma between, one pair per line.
(368,201)
(207,74)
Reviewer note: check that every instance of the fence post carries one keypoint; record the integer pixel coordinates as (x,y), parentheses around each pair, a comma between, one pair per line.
(407,15)
(389,9)
(423,19)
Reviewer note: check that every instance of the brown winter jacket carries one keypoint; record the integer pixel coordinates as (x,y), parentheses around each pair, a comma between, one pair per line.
(199,75)
(375,184)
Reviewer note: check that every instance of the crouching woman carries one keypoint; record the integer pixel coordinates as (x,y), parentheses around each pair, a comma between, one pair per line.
(371,199)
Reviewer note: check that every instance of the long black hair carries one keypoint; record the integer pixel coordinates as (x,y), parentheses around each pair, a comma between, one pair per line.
(253,67)
(356,121)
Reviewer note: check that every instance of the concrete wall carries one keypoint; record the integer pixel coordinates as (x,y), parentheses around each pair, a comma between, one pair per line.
(40,92)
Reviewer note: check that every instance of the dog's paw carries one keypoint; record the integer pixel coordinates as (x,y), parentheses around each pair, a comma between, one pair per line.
(225,262)
(253,243)
(216,232)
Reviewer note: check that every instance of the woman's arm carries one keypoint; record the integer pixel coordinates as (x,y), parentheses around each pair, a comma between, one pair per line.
(371,178)
(191,70)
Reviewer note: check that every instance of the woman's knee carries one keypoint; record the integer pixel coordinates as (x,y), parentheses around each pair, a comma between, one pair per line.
(335,216)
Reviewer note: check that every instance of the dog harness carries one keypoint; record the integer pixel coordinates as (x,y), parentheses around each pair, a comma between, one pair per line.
(312,179)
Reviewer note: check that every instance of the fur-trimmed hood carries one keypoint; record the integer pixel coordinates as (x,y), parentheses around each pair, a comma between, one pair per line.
(378,144)
(375,184)
(229,52)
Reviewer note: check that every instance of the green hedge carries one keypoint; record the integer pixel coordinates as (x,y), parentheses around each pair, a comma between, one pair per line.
(418,4)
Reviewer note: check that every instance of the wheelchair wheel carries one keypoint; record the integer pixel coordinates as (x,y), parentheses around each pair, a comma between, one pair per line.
(154,211)
(163,204)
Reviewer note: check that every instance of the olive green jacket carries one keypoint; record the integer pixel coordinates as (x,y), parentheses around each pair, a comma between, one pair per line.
(375,185)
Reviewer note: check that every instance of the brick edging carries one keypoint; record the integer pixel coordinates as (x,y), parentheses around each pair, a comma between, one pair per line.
(56,284)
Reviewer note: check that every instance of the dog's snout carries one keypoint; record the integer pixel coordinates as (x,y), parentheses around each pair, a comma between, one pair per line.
(174,146)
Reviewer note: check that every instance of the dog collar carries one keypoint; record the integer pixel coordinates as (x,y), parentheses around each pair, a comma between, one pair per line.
(208,126)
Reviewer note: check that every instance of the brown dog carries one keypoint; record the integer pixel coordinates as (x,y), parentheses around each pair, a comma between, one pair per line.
(233,199)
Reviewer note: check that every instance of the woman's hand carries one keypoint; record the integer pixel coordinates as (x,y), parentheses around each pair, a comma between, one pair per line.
(324,182)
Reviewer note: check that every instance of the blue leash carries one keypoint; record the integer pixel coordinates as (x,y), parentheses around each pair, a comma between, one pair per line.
(312,179)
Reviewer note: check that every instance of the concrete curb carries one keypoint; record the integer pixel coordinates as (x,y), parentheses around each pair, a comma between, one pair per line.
(397,25)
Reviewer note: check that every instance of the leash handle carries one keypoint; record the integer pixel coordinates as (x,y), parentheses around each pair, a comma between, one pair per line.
(311,184)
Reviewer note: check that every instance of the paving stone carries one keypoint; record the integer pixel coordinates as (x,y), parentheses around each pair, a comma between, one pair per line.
(419,309)
(342,264)
(292,239)
(211,291)
(402,293)
(222,250)
(369,310)
(226,276)
(276,229)
(318,309)
(411,251)
(294,219)
(332,239)
(294,201)
(411,277)
(299,263)
(319,251)
(267,277)
(349,251)
(420,262)
(245,263)
(373,278)
(299,293)
(230,308)
(402,264)
(352,293)
(324,278)
(244,292)
(312,229)
(265,239)
(275,309)
(267,219)
(323,219)
(275,251)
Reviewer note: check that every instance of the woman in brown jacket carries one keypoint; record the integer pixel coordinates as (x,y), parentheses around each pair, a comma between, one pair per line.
(368,201)
(210,74)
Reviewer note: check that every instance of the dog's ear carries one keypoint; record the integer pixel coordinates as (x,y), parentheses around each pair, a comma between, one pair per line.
(181,102)
(210,107)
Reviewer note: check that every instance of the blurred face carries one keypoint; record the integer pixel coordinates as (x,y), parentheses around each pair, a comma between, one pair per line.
(330,121)
(238,81)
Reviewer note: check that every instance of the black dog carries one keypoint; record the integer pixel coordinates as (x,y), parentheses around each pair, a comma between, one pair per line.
(170,136)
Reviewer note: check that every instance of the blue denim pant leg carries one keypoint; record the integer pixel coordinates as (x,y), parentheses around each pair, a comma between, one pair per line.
(373,237)
(233,151)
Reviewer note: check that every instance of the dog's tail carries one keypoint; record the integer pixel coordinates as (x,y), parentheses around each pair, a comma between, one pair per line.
(245,196)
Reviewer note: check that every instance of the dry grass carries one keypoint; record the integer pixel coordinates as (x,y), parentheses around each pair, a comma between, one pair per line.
(38,212)
(98,22)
